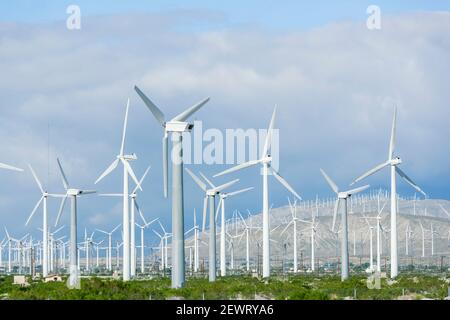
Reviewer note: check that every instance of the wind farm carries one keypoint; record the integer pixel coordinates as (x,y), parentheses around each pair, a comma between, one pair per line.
(252,179)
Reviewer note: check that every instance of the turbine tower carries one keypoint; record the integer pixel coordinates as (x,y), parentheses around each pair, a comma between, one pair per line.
(73,194)
(265,161)
(176,126)
(127,171)
(393,162)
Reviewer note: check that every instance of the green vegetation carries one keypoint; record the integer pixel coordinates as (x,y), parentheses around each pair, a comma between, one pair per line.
(301,287)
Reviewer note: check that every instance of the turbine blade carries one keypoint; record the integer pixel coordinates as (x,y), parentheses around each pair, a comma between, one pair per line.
(218,209)
(142,179)
(186,114)
(111,195)
(34,210)
(357,190)
(392,142)
(63,175)
(61,208)
(409,180)
(371,171)
(36,178)
(239,191)
(110,169)
(285,229)
(131,173)
(165,164)
(197,180)
(226,185)
(205,207)
(124,132)
(140,212)
(207,180)
(238,167)
(116,228)
(269,134)
(8,167)
(285,183)
(330,182)
(336,208)
(151,106)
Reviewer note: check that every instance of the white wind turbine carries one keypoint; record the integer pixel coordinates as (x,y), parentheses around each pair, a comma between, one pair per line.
(109,234)
(73,194)
(127,171)
(293,222)
(379,230)
(143,227)
(247,231)
(2,245)
(45,231)
(10,240)
(222,198)
(210,199)
(393,162)
(134,205)
(265,161)
(341,201)
(176,126)
(371,268)
(195,228)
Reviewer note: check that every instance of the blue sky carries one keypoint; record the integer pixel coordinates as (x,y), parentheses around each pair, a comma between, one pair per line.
(335,83)
(278,15)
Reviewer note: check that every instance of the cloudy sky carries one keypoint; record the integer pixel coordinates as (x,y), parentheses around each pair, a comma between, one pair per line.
(63,93)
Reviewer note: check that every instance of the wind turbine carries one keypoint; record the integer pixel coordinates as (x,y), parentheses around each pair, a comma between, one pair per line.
(195,228)
(127,171)
(393,162)
(109,264)
(10,240)
(73,194)
(143,227)
(341,201)
(210,196)
(247,243)
(293,222)
(223,197)
(265,161)
(45,230)
(379,230)
(134,205)
(176,126)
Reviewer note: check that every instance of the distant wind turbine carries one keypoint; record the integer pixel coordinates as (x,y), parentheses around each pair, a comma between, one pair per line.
(265,161)
(73,194)
(393,162)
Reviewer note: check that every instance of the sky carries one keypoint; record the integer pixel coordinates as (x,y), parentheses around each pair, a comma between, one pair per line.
(63,93)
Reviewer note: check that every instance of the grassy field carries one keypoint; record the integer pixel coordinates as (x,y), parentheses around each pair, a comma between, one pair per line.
(302,287)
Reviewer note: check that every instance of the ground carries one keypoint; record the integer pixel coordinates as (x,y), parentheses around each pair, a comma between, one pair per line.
(301,287)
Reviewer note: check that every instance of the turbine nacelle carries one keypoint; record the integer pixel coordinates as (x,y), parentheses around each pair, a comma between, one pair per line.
(267,159)
(396,161)
(178,126)
(128,157)
(344,195)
